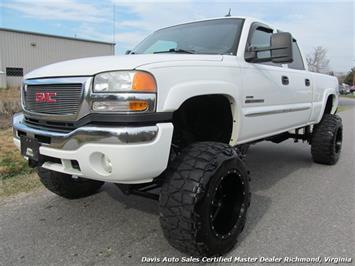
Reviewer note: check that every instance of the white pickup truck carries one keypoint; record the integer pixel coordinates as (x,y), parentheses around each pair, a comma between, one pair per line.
(172,119)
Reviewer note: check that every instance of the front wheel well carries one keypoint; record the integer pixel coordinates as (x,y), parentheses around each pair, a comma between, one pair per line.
(203,118)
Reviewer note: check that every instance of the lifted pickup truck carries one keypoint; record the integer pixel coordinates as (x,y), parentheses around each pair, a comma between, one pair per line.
(172,120)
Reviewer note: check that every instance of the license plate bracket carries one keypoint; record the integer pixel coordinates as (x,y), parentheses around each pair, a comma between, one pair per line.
(30,147)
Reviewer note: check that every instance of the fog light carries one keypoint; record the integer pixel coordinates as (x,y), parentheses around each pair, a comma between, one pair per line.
(100,163)
(106,163)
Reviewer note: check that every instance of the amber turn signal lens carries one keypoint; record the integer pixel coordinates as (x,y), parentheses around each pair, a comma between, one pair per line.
(143,81)
(138,106)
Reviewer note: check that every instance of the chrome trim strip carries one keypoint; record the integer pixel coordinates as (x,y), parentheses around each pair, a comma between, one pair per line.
(54,81)
(124,97)
(87,134)
(254,101)
(288,110)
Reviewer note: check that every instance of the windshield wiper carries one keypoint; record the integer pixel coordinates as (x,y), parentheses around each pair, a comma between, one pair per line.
(182,51)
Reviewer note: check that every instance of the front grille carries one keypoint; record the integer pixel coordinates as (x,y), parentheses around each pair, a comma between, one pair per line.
(64,99)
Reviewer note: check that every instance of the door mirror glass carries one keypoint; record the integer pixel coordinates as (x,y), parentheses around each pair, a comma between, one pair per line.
(281,47)
(278,51)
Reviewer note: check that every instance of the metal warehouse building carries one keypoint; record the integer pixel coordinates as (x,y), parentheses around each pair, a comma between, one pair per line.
(21,52)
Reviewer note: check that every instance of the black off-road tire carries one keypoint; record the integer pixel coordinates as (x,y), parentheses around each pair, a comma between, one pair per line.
(243,150)
(66,186)
(327,140)
(204,199)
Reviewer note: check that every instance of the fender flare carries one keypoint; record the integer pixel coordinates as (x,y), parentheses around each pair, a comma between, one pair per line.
(335,99)
(182,92)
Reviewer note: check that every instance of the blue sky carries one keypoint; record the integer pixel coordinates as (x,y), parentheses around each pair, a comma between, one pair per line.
(326,23)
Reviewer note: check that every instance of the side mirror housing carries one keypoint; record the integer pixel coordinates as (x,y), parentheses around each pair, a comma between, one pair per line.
(281,47)
(280,50)
(128,52)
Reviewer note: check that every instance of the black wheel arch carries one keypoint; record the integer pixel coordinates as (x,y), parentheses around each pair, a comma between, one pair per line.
(204,118)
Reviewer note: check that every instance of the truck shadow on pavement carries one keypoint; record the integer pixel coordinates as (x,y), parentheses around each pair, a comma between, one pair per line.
(132,201)
(270,163)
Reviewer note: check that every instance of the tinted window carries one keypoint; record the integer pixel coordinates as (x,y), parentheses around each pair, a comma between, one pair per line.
(161,46)
(297,58)
(261,38)
(207,37)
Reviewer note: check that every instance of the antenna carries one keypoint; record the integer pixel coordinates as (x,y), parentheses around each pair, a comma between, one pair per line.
(114,24)
(229,13)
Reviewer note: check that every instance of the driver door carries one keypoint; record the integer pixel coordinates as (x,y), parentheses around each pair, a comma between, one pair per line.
(271,101)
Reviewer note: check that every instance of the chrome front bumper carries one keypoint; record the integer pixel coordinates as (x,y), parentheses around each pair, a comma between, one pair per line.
(74,139)
(137,154)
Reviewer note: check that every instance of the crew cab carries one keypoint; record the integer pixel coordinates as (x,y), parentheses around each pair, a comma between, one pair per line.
(172,120)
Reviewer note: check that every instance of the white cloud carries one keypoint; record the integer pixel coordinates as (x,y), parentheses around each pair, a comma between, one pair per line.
(148,17)
(326,23)
(64,10)
(318,22)
(331,26)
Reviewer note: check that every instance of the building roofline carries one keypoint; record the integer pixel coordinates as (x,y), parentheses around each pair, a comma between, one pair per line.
(55,36)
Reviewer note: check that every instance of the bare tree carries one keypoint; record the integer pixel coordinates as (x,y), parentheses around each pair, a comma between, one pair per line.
(317,61)
(350,77)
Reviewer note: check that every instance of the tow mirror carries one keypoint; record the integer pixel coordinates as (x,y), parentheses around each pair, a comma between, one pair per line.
(279,51)
(281,47)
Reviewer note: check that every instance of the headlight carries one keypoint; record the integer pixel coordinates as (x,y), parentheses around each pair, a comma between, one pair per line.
(124,92)
(124,81)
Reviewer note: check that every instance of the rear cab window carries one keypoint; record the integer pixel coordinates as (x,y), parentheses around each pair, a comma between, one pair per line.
(297,63)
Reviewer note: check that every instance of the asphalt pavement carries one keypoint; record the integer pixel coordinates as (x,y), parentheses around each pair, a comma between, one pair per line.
(298,208)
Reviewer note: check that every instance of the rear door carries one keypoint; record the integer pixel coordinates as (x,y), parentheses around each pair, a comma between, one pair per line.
(302,82)
(273,100)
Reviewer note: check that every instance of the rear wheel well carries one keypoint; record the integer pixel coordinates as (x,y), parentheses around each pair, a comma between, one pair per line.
(203,118)
(329,104)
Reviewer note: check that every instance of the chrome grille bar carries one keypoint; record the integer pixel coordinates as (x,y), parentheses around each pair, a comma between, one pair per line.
(65,98)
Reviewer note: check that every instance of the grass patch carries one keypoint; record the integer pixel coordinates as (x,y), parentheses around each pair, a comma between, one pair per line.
(19,184)
(10,101)
(15,175)
(12,163)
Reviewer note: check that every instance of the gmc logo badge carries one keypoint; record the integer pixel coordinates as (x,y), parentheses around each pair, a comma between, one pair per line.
(45,97)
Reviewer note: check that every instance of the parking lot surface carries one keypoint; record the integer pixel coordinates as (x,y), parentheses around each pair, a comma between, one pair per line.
(298,208)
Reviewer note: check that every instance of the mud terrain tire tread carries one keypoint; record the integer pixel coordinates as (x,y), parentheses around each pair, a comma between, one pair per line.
(323,139)
(184,189)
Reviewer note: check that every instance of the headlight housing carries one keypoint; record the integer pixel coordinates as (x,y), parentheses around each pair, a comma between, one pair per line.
(124,81)
(124,92)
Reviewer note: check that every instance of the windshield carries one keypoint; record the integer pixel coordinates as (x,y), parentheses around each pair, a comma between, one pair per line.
(220,36)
